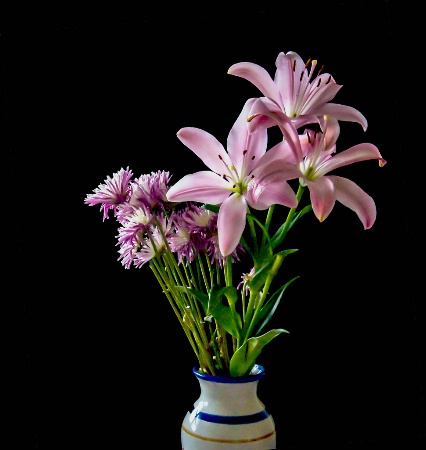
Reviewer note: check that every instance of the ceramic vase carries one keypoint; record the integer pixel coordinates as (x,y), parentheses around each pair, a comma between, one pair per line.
(228,415)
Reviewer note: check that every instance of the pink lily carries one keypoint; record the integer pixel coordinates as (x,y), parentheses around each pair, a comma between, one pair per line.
(318,160)
(234,175)
(296,91)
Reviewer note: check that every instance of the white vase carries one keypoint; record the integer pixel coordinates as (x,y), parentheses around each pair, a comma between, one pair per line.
(228,415)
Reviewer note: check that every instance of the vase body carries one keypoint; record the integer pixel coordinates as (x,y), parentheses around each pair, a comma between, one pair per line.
(228,415)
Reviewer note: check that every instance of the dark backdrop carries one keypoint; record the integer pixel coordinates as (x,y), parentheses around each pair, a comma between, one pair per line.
(95,356)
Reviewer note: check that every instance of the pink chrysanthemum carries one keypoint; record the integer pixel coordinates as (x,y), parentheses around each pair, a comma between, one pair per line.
(114,192)
(150,190)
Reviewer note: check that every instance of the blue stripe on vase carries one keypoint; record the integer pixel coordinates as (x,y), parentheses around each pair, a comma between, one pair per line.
(233,420)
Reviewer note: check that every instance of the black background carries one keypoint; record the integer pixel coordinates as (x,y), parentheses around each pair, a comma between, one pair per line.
(94,355)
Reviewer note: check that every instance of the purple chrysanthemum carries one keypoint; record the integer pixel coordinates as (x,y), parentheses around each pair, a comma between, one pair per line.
(114,192)
(135,224)
(155,242)
(150,190)
(196,233)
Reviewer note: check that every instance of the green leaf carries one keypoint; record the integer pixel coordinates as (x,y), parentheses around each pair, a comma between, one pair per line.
(300,214)
(261,226)
(269,308)
(212,304)
(231,293)
(223,314)
(245,357)
(263,256)
(210,207)
(203,298)
(259,278)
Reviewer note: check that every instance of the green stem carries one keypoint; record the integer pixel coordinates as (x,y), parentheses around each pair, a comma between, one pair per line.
(273,272)
(268,222)
(280,235)
(252,231)
(228,271)
(170,298)
(247,319)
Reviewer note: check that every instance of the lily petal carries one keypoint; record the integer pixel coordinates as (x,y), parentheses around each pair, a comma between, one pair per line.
(277,192)
(352,196)
(322,94)
(260,107)
(287,84)
(245,149)
(206,147)
(359,152)
(332,130)
(342,112)
(323,197)
(306,119)
(231,222)
(204,186)
(258,76)
(297,86)
(281,151)
(263,121)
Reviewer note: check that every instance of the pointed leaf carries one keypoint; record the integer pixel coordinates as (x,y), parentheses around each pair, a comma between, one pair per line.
(300,214)
(260,276)
(231,294)
(203,298)
(245,357)
(210,207)
(269,308)
(223,314)
(213,305)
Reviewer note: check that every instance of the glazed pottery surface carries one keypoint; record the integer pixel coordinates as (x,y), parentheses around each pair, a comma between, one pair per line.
(228,415)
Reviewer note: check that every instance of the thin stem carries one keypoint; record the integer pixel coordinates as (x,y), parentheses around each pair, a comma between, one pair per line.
(273,272)
(268,222)
(252,232)
(280,235)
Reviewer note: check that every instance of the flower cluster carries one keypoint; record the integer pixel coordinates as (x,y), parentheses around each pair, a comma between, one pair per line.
(193,232)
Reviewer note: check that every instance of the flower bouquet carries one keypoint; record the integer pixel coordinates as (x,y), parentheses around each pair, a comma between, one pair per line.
(215,239)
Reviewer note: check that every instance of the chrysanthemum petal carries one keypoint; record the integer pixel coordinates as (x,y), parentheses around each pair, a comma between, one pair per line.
(352,196)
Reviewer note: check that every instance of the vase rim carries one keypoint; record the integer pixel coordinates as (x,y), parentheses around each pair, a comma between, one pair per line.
(256,374)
